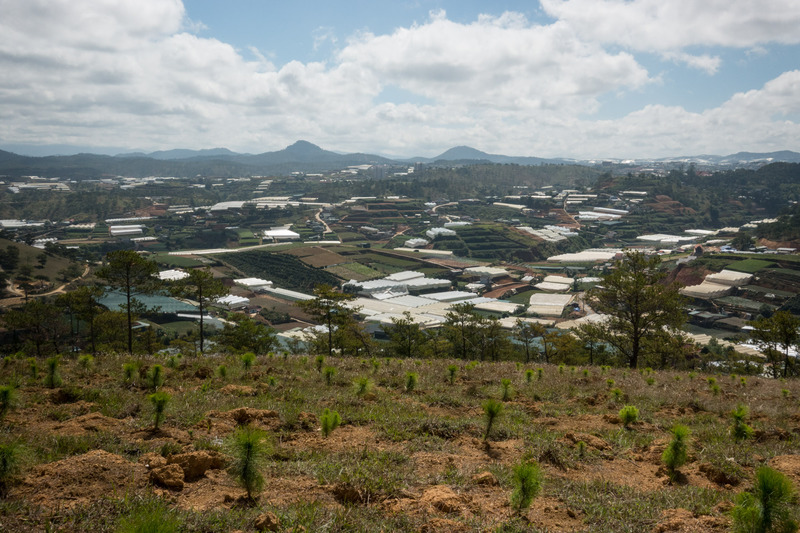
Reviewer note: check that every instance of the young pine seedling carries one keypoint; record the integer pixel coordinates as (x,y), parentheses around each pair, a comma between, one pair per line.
(676,453)
(159,400)
(155,377)
(529,375)
(363,386)
(53,377)
(247,359)
(507,392)
(452,370)
(769,507)
(527,482)
(247,447)
(329,420)
(8,398)
(739,429)
(628,415)
(319,361)
(412,379)
(328,373)
(492,409)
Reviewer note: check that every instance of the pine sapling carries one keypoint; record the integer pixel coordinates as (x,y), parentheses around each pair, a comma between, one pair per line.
(222,371)
(539,373)
(329,420)
(328,373)
(10,464)
(247,359)
(319,361)
(155,377)
(128,372)
(85,362)
(739,429)
(529,375)
(676,453)
(506,391)
(33,368)
(248,449)
(628,415)
(527,482)
(452,370)
(768,508)
(412,379)
(492,409)
(53,377)
(159,400)
(8,397)
(362,385)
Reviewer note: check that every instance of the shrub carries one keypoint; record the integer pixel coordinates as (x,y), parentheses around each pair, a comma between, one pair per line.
(7,399)
(159,400)
(768,508)
(452,370)
(329,420)
(412,378)
(53,377)
(628,415)
(739,429)
(363,386)
(328,372)
(247,359)
(527,481)
(492,409)
(248,448)
(506,390)
(155,377)
(676,453)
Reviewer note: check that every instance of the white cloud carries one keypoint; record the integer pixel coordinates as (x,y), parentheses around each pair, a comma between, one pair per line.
(132,74)
(661,25)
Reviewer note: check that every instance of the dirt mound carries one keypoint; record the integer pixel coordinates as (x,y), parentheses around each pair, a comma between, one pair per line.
(789,465)
(683,521)
(87,424)
(80,480)
(227,421)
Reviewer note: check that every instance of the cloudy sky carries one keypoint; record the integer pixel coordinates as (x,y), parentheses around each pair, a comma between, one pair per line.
(553,78)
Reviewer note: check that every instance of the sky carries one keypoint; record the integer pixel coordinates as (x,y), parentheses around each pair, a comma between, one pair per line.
(577,79)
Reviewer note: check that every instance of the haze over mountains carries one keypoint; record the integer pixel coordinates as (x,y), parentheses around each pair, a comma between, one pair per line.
(303,156)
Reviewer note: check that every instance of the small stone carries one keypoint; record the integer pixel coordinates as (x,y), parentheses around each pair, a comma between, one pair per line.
(152,460)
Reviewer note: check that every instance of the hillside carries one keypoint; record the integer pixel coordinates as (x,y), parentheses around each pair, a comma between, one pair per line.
(410,454)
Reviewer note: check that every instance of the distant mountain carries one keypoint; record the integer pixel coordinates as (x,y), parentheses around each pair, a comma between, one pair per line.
(189,154)
(464,154)
(303,156)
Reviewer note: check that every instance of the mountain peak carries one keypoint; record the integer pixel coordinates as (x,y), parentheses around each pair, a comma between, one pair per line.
(303,147)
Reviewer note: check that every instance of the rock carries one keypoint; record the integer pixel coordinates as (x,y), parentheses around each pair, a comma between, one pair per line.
(152,460)
(485,478)
(169,476)
(195,464)
(442,499)
(267,522)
